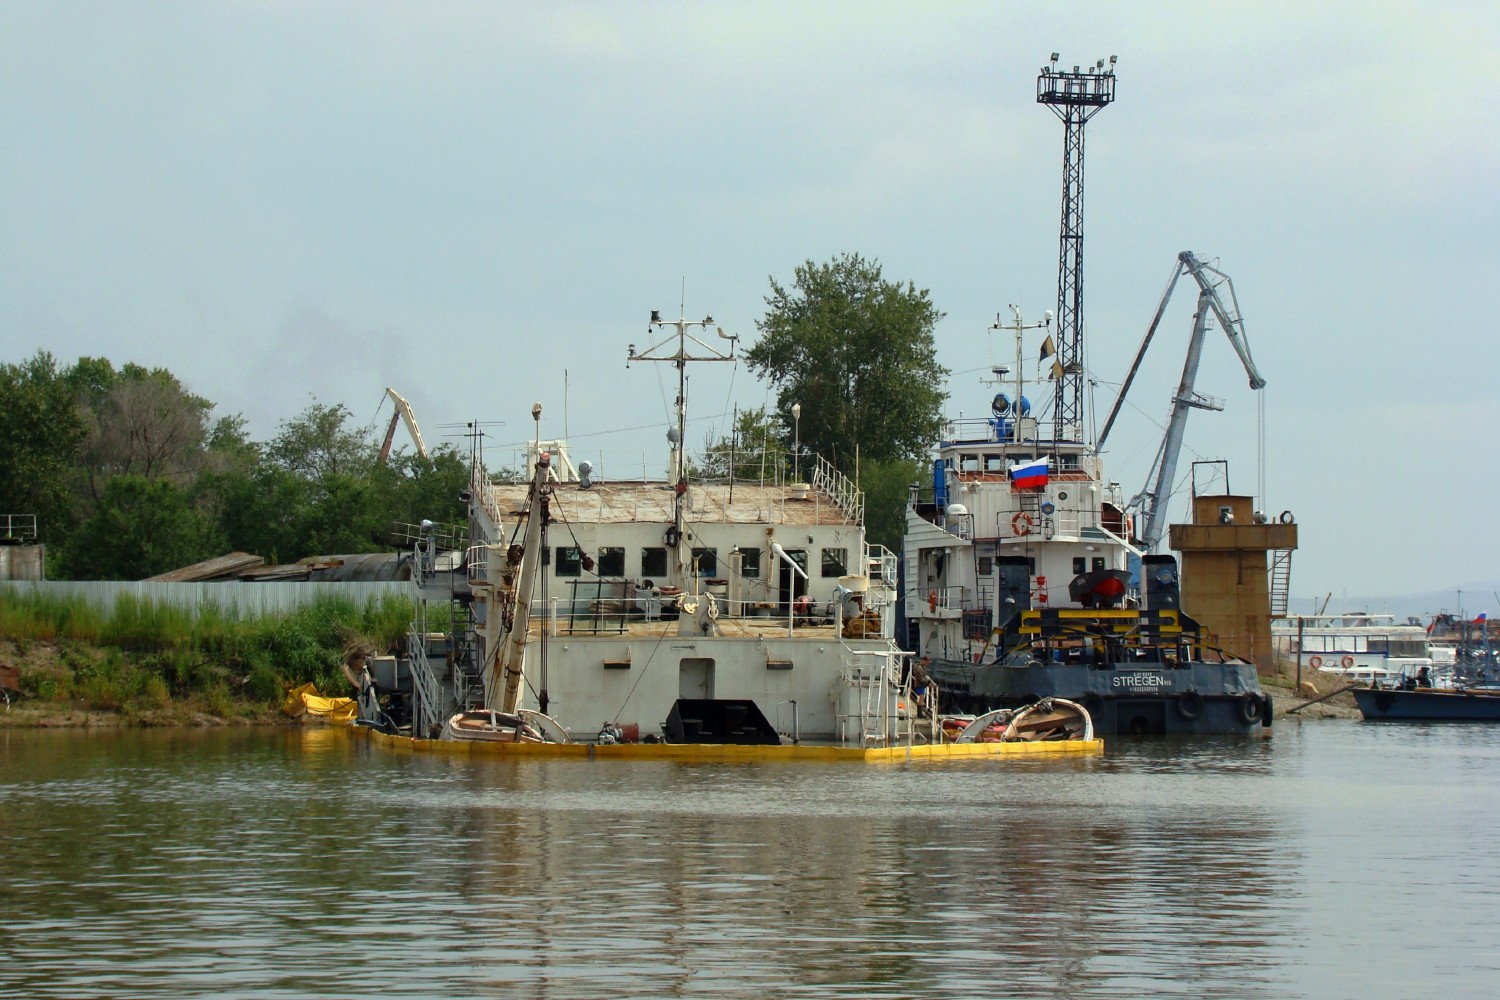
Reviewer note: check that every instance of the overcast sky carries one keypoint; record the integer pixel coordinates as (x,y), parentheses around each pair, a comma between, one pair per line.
(282,202)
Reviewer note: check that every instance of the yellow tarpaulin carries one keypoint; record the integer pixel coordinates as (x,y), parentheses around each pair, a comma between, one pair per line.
(305,700)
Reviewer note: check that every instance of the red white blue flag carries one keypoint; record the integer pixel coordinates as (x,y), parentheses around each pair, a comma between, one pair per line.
(1029,475)
(1483,617)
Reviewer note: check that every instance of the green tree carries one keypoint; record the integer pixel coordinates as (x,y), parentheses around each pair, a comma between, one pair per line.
(140,527)
(886,485)
(756,449)
(44,431)
(856,352)
(428,488)
(317,443)
(141,422)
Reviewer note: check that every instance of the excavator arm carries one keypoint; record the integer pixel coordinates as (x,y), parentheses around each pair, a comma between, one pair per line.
(403,412)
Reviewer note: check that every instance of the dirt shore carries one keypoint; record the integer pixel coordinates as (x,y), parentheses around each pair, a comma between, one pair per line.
(1285,696)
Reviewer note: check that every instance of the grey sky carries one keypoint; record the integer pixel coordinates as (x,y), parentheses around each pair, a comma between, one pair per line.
(287,201)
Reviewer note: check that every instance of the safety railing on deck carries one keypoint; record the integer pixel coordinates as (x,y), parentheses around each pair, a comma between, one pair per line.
(426,710)
(841,488)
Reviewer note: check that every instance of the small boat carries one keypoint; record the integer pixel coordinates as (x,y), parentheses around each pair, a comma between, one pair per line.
(1045,720)
(1428,704)
(491,727)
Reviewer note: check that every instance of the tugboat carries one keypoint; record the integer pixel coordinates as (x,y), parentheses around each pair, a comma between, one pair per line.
(1026,575)
(1019,587)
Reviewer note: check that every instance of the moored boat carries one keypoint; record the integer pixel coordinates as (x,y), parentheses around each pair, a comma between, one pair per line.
(1428,704)
(742,615)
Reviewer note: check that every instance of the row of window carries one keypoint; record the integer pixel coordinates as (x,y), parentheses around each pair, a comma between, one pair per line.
(968,462)
(1361,644)
(610,561)
(1081,565)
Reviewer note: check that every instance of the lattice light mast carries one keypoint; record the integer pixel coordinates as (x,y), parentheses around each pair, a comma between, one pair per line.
(1075,97)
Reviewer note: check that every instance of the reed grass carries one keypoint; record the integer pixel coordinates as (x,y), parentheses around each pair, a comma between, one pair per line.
(142,655)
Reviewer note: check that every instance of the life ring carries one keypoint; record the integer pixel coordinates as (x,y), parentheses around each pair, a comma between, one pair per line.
(1250,708)
(932,600)
(1022,523)
(1315,662)
(1347,662)
(1190,705)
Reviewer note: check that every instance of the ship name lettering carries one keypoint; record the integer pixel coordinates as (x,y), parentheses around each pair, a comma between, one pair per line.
(1140,680)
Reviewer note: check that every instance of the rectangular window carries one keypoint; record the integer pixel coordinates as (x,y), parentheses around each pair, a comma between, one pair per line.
(612,560)
(835,562)
(654,564)
(569,561)
(1098,562)
(1079,564)
(706,561)
(986,566)
(750,563)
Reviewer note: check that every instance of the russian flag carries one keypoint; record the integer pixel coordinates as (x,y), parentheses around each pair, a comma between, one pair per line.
(1029,475)
(1483,617)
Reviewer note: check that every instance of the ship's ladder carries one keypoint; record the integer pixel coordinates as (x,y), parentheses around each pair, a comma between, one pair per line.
(1026,519)
(1281,581)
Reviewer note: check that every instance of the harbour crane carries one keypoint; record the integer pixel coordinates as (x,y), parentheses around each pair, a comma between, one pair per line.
(403,412)
(1151,502)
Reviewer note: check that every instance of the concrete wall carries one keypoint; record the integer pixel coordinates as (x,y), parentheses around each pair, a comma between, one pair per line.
(247,598)
(23,562)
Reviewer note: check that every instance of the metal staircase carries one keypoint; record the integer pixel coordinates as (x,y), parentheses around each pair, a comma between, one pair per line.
(1281,581)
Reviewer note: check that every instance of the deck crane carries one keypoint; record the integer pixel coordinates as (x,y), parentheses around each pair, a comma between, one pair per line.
(522,564)
(403,412)
(1152,501)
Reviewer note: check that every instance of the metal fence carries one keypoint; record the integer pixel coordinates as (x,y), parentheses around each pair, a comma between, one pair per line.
(230,596)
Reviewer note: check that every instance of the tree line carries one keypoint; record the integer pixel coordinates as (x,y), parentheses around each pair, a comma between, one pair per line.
(130,474)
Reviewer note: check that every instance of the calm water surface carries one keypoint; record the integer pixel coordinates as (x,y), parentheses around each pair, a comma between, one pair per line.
(1336,859)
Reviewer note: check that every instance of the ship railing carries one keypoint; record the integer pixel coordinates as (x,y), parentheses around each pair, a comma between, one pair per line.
(885,710)
(937,600)
(881,564)
(477,562)
(426,710)
(959,525)
(484,492)
(841,488)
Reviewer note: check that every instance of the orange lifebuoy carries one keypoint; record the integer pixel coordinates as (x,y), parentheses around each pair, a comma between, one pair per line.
(1022,523)
(932,600)
(1315,662)
(1348,662)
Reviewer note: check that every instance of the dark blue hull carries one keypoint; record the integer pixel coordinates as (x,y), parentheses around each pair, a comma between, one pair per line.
(1142,699)
(1428,705)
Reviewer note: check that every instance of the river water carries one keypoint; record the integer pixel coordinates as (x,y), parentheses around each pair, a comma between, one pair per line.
(1336,859)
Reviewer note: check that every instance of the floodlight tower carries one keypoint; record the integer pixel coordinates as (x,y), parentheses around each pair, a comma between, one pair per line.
(1075,97)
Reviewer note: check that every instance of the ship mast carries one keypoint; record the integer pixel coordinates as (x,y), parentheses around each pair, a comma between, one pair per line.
(675,348)
(1017,327)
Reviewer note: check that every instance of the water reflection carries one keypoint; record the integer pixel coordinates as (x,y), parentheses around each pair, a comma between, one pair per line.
(294,862)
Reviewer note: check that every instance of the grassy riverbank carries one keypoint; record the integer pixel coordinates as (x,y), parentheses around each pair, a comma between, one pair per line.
(143,663)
